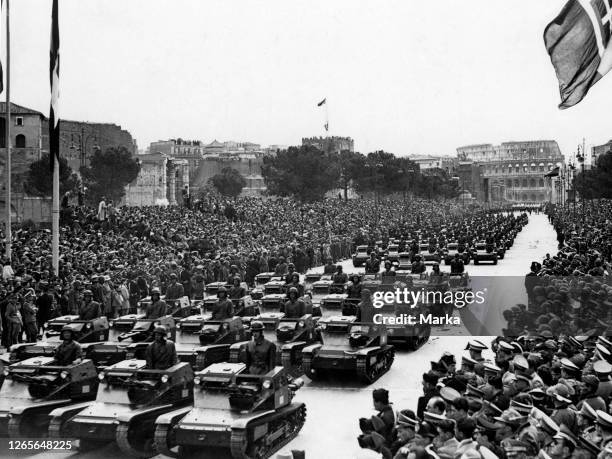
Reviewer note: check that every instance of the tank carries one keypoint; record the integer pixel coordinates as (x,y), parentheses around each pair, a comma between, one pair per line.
(289,335)
(85,332)
(129,344)
(234,414)
(128,401)
(215,339)
(35,387)
(331,304)
(349,347)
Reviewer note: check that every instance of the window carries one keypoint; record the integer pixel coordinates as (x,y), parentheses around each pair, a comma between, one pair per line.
(19,121)
(20,141)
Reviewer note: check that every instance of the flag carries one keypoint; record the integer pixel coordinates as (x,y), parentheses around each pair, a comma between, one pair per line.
(54,67)
(553,173)
(322,102)
(578,43)
(326,126)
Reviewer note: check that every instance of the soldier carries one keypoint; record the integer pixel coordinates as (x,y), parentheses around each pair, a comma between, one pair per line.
(261,353)
(404,430)
(418,267)
(388,272)
(430,381)
(158,307)
(295,283)
(372,264)
(354,289)
(174,291)
(14,321)
(90,309)
(475,349)
(295,307)
(236,291)
(290,272)
(69,351)
(160,354)
(223,308)
(329,268)
(340,277)
(456,265)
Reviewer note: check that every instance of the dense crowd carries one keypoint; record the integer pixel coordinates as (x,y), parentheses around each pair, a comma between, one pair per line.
(535,397)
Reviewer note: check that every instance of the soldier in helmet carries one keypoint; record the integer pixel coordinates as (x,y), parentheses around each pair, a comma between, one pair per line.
(329,267)
(294,307)
(295,283)
(290,272)
(174,291)
(158,307)
(236,291)
(69,351)
(456,265)
(90,309)
(160,354)
(261,353)
(223,308)
(418,267)
(372,264)
(389,271)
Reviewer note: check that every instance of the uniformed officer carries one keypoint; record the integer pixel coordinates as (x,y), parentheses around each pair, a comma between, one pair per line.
(174,291)
(372,264)
(388,272)
(69,351)
(223,308)
(354,289)
(294,307)
(602,370)
(160,354)
(261,353)
(290,272)
(90,309)
(404,430)
(236,291)
(475,349)
(329,268)
(418,267)
(604,428)
(158,307)
(456,265)
(295,283)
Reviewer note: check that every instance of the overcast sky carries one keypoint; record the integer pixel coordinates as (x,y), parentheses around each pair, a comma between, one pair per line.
(407,76)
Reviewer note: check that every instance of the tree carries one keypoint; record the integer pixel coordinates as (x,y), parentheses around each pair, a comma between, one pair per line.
(109,173)
(304,172)
(596,182)
(229,182)
(39,181)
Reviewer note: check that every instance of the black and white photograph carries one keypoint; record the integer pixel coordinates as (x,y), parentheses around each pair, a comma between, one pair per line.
(341,229)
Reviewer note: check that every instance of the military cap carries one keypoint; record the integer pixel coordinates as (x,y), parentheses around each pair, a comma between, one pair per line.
(567,435)
(491,368)
(514,446)
(407,418)
(433,418)
(589,446)
(425,429)
(520,363)
(604,420)
(475,345)
(602,367)
(474,391)
(604,342)
(483,423)
(575,342)
(448,358)
(520,377)
(588,412)
(523,407)
(511,417)
(517,348)
(568,365)
(493,407)
(550,344)
(449,394)
(547,424)
(537,394)
(506,347)
(590,380)
(430,377)
(560,392)
(468,362)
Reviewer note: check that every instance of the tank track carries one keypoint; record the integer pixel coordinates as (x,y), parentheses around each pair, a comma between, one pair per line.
(55,428)
(14,427)
(239,446)
(369,374)
(123,441)
(307,366)
(162,438)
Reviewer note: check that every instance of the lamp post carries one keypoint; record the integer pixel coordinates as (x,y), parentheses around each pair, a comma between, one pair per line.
(580,159)
(83,139)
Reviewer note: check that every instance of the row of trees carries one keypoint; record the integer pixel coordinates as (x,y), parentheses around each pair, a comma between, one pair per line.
(307,173)
(596,182)
(107,175)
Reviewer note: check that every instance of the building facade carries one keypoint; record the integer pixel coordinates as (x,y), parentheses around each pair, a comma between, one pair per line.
(190,151)
(599,150)
(161,181)
(330,144)
(248,165)
(513,171)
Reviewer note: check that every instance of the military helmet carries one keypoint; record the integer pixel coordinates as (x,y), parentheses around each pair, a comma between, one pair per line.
(173,276)
(155,290)
(221,290)
(293,290)
(256,325)
(87,293)
(67,328)
(159,329)
(291,265)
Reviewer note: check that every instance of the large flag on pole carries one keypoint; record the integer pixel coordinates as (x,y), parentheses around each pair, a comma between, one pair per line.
(578,42)
(322,102)
(54,68)
(1,72)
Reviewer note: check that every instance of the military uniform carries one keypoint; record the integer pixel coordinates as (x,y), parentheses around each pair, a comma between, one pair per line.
(222,309)
(161,356)
(261,357)
(90,311)
(157,309)
(66,353)
(294,309)
(175,291)
(372,266)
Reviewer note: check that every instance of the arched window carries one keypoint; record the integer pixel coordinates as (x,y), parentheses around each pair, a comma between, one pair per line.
(20,141)
(533,167)
(525,185)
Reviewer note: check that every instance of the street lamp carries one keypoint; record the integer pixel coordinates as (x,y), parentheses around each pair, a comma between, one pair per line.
(83,139)
(580,159)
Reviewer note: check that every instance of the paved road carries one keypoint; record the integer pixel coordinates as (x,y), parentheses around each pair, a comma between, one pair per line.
(334,406)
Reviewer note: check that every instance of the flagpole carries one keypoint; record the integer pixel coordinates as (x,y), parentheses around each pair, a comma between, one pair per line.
(54,140)
(8,231)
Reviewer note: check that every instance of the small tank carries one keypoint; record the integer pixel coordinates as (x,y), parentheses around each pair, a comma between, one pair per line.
(234,414)
(349,347)
(128,401)
(129,344)
(85,332)
(289,335)
(34,387)
(215,339)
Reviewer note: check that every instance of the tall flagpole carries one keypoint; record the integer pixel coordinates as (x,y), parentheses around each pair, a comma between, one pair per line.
(54,134)
(8,231)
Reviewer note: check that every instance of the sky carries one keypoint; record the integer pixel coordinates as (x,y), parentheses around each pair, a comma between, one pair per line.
(407,76)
